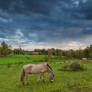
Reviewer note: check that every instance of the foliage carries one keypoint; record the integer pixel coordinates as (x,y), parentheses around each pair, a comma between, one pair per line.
(69,54)
(4,49)
(74,66)
(18,51)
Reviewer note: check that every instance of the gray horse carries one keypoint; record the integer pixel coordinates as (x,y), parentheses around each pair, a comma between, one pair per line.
(36,69)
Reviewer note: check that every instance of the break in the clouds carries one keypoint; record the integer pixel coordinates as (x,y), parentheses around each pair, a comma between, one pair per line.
(65,24)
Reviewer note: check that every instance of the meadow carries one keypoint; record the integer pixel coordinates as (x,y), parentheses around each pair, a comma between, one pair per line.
(64,81)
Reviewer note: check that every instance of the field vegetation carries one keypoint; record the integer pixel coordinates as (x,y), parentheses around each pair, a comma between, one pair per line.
(64,81)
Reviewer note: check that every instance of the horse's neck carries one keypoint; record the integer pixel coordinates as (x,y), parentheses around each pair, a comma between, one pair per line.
(50,71)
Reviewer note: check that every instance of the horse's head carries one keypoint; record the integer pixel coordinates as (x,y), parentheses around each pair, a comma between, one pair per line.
(51,76)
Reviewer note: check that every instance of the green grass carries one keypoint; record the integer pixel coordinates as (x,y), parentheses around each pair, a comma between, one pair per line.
(65,81)
(21,58)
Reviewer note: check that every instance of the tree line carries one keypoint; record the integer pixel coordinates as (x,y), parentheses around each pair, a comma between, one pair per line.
(70,54)
(6,50)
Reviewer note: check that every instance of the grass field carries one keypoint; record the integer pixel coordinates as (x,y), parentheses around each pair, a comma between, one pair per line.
(65,81)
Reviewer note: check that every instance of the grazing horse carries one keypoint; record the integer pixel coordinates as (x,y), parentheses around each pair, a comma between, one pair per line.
(36,69)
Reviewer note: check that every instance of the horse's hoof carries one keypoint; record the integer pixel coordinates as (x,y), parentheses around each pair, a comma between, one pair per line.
(51,81)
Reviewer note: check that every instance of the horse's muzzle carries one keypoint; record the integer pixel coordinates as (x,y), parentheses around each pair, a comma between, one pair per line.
(51,81)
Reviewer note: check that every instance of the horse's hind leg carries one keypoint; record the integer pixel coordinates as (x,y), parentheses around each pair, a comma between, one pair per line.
(26,77)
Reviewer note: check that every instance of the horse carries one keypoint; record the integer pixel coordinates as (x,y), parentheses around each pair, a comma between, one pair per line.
(36,69)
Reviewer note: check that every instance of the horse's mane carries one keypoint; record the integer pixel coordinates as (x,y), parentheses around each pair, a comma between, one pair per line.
(49,67)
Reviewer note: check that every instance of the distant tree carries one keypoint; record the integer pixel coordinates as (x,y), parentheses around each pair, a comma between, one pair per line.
(53,51)
(0,51)
(4,49)
(90,52)
(43,51)
(50,52)
(86,52)
(58,52)
(79,53)
(70,53)
(18,51)
(37,50)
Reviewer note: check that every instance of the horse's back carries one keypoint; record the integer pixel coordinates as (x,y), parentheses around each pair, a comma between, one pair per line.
(35,68)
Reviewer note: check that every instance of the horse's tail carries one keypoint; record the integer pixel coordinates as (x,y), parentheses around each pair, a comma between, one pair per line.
(22,76)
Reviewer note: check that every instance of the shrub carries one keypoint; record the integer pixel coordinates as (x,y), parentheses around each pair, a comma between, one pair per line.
(74,66)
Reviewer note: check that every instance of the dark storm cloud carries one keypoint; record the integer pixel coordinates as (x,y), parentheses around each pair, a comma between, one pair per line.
(87,8)
(23,6)
(45,20)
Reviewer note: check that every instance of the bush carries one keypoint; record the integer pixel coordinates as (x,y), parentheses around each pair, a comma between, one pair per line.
(74,66)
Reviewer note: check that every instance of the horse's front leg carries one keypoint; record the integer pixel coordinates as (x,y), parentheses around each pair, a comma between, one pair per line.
(39,79)
(42,76)
(26,77)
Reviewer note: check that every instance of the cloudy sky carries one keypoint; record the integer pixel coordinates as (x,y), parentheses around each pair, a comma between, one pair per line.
(65,24)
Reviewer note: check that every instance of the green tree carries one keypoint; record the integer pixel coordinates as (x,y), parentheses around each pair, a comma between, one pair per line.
(50,52)
(4,50)
(58,52)
(90,52)
(86,52)
(18,51)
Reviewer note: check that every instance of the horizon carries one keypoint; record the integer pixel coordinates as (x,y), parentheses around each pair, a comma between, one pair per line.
(65,24)
(27,48)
